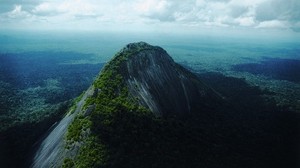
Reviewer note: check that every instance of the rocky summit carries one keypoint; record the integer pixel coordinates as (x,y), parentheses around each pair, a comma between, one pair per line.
(160,84)
(134,103)
(145,110)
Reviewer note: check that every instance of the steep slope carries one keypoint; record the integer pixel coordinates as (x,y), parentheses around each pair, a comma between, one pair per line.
(139,114)
(159,83)
(52,149)
(145,110)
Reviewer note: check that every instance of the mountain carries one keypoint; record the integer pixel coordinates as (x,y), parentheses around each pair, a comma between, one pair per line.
(145,110)
(141,85)
(160,84)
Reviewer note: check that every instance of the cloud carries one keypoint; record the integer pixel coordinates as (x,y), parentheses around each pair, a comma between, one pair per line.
(46,9)
(245,21)
(8,5)
(280,14)
(253,14)
(77,7)
(273,24)
(18,13)
(237,11)
(161,10)
(279,9)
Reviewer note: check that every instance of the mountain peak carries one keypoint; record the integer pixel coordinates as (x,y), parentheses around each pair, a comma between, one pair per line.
(132,49)
(138,86)
(157,82)
(136,45)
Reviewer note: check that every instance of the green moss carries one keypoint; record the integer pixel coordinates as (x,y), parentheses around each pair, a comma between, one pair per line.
(125,134)
(112,99)
(88,101)
(68,163)
(113,104)
(92,154)
(76,128)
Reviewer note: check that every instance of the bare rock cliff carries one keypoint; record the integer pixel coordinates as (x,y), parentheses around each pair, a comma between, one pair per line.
(162,85)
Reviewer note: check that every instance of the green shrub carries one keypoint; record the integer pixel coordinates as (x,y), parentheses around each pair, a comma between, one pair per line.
(75,129)
(68,163)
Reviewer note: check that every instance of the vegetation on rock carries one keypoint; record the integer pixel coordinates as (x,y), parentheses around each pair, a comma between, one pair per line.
(36,91)
(126,134)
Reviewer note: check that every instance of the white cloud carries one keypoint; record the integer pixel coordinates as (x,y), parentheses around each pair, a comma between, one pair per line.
(46,9)
(77,7)
(161,10)
(149,14)
(245,21)
(151,6)
(273,24)
(18,13)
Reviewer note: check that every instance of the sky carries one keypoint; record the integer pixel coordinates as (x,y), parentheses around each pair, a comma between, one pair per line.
(282,16)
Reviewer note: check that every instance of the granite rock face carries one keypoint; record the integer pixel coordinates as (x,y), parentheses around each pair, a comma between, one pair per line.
(152,79)
(121,130)
(162,85)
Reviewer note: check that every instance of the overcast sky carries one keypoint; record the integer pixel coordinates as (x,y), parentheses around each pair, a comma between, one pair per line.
(151,15)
